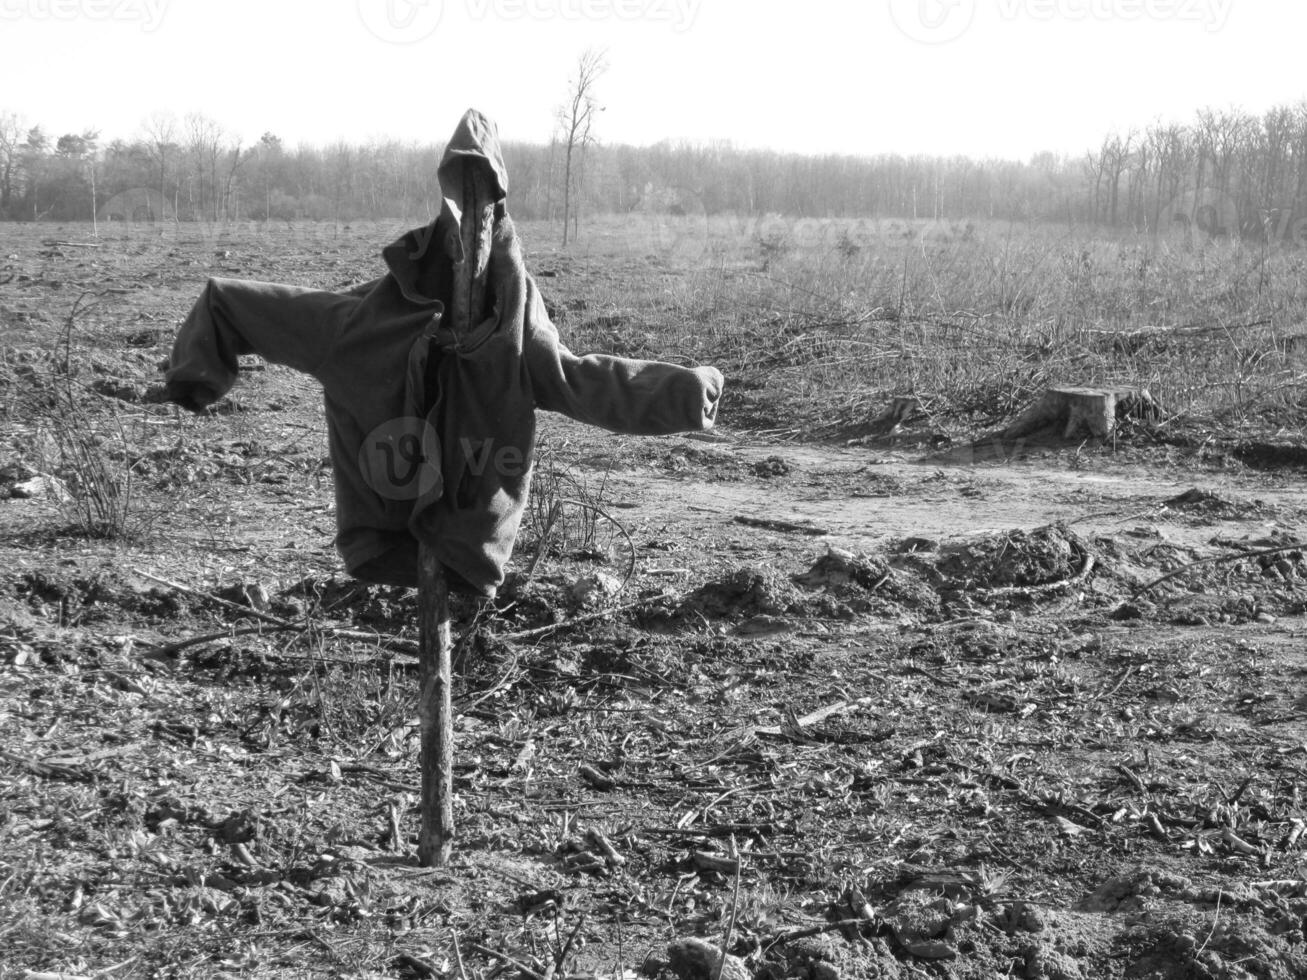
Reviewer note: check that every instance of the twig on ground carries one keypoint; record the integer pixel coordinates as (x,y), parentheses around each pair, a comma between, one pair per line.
(1117,686)
(735,908)
(218,600)
(416,964)
(48,770)
(178,645)
(539,631)
(458,956)
(561,957)
(630,567)
(505,958)
(793,934)
(305,625)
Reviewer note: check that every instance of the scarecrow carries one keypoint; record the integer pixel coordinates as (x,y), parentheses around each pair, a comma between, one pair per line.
(431,376)
(432,429)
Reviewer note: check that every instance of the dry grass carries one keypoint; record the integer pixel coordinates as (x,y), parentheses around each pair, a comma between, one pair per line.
(818,321)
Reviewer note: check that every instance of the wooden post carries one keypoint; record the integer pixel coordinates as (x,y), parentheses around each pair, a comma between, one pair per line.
(467,308)
(436,838)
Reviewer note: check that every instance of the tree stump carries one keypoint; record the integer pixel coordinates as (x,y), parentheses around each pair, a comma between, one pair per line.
(1075,411)
(901,409)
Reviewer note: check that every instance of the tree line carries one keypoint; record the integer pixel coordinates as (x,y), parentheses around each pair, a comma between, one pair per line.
(1228,172)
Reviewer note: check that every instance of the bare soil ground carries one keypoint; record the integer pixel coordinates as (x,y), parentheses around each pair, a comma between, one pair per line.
(885,708)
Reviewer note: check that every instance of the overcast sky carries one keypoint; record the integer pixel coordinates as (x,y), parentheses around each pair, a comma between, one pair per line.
(995,78)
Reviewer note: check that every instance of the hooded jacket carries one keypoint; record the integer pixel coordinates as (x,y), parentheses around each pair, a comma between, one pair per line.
(431,435)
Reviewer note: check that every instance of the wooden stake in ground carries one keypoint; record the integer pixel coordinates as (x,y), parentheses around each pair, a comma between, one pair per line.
(466,310)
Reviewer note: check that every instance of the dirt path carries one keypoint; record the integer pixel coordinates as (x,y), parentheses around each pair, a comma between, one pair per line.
(863,498)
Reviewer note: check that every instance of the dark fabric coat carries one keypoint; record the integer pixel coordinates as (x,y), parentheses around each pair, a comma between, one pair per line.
(431,437)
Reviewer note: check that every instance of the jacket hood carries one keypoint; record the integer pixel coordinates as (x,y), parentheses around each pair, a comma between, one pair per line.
(415,257)
(475,139)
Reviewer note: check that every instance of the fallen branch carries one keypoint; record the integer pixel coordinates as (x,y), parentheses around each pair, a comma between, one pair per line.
(735,908)
(218,600)
(1033,590)
(48,770)
(813,717)
(767,524)
(194,641)
(305,625)
(1215,559)
(533,634)
(792,934)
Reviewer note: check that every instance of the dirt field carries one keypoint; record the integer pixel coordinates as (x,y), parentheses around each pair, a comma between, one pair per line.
(897,705)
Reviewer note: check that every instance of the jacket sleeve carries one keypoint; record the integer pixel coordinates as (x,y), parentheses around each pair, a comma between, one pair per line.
(283,324)
(617,393)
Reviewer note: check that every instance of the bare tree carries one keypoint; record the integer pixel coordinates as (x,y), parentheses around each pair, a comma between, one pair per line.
(269,151)
(1168,151)
(12,133)
(576,123)
(204,139)
(160,131)
(1116,158)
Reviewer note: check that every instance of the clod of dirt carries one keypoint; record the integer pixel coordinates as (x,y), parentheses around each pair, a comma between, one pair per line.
(41,487)
(595,589)
(843,568)
(694,959)
(251,594)
(382,606)
(809,958)
(15,472)
(1018,916)
(1043,963)
(711,463)
(238,828)
(145,338)
(1136,609)
(1183,943)
(923,924)
(1127,891)
(1194,499)
(1015,558)
(20,481)
(745,592)
(771,466)
(127,390)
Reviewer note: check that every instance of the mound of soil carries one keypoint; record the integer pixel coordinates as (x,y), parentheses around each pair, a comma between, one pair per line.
(840,569)
(745,592)
(1013,558)
(384,607)
(1211,507)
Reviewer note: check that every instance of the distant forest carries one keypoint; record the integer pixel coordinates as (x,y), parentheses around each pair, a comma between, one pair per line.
(1226,173)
